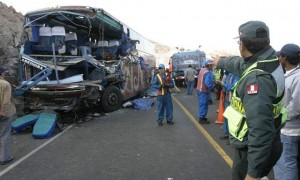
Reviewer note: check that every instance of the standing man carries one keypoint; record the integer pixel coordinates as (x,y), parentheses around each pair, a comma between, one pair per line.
(7,110)
(204,86)
(286,167)
(227,85)
(218,75)
(163,83)
(190,79)
(256,114)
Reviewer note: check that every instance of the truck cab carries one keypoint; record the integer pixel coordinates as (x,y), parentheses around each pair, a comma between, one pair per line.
(179,62)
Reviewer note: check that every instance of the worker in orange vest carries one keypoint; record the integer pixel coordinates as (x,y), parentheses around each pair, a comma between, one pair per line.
(204,86)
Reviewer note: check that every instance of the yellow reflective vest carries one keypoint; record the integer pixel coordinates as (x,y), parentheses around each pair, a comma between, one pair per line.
(235,113)
(217,74)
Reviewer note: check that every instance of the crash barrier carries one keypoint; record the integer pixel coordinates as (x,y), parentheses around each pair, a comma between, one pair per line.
(220,119)
(43,124)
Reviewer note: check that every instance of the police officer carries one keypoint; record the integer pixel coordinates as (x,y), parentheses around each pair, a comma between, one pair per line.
(163,83)
(256,113)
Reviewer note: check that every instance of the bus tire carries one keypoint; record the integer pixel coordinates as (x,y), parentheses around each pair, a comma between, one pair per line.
(111,99)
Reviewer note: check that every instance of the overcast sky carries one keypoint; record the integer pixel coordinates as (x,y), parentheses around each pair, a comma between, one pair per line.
(189,23)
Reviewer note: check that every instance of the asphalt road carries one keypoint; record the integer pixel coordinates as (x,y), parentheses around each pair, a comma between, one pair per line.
(127,145)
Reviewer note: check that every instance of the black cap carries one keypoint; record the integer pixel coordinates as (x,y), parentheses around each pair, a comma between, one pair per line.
(253,29)
(291,50)
(277,53)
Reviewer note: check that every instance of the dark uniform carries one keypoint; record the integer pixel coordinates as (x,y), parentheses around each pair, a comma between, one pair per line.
(257,138)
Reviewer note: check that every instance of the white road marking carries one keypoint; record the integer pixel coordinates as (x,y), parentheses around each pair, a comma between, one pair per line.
(32,152)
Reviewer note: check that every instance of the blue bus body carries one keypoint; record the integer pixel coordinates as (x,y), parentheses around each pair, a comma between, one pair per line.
(76,55)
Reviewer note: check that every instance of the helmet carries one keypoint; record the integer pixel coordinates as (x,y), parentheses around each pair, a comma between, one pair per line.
(208,62)
(161,66)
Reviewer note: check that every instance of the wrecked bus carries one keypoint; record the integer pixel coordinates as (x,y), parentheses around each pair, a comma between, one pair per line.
(77,56)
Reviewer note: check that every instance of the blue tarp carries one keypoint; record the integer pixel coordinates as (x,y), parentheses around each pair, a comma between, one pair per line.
(143,103)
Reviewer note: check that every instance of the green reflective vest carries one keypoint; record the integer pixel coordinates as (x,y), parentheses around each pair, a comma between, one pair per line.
(235,113)
(217,74)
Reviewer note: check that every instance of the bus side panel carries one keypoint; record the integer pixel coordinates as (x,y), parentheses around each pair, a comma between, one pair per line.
(137,80)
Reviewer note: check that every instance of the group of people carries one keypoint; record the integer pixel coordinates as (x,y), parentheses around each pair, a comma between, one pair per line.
(227,83)
(262,100)
(263,115)
(163,81)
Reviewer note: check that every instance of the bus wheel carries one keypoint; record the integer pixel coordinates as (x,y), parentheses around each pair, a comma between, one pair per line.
(111,99)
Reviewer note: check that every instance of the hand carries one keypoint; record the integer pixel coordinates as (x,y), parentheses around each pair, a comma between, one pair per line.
(219,82)
(248,177)
(166,85)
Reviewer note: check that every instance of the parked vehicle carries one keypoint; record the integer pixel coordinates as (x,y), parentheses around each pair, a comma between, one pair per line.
(74,56)
(180,61)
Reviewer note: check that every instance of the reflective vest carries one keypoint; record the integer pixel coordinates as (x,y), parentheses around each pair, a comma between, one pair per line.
(163,90)
(217,74)
(201,81)
(235,113)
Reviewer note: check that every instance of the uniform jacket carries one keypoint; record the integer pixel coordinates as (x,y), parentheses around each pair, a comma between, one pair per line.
(7,108)
(259,106)
(157,84)
(205,80)
(292,103)
(229,82)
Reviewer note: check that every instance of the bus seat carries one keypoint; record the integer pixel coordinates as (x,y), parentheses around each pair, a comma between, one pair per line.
(101,50)
(58,38)
(113,43)
(45,36)
(71,43)
(113,48)
(102,43)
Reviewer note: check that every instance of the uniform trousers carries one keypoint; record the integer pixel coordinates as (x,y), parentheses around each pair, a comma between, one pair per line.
(240,161)
(190,87)
(164,104)
(203,99)
(287,166)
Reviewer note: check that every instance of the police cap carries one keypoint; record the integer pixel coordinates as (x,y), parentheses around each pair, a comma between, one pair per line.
(253,30)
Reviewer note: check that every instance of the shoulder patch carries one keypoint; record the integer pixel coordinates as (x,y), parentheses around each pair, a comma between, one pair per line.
(252,89)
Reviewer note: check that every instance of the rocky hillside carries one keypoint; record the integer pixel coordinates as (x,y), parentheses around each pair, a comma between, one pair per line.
(163,53)
(10,31)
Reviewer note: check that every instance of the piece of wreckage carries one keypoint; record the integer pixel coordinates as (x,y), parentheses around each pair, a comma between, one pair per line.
(76,56)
